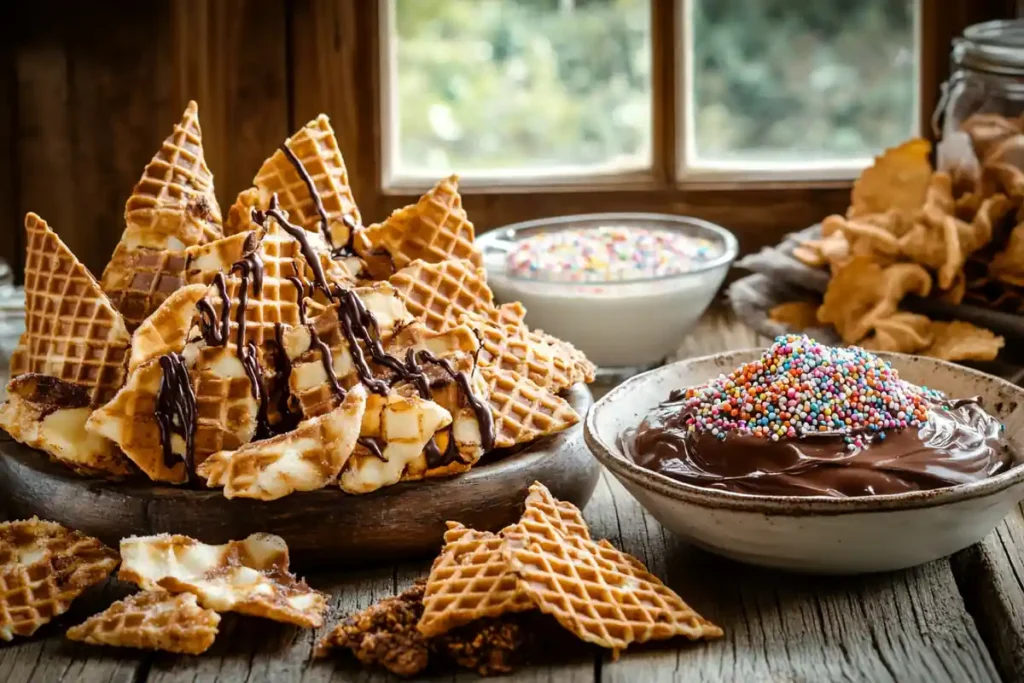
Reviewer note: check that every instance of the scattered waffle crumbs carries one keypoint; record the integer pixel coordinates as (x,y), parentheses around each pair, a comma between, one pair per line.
(608,253)
(799,386)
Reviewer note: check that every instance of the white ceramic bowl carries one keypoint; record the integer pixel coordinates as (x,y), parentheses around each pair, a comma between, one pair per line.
(602,319)
(815,533)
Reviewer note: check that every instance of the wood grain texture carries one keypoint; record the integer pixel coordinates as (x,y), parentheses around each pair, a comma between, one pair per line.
(11,249)
(231,57)
(991,579)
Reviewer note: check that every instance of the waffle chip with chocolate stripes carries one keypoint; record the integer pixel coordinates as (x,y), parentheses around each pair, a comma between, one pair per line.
(305,459)
(249,576)
(43,568)
(46,413)
(72,330)
(152,620)
(594,590)
(311,157)
(469,580)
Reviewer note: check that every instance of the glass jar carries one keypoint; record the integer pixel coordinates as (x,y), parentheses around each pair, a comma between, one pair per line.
(986,75)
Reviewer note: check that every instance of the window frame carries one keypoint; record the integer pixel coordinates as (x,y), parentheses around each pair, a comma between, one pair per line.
(339,68)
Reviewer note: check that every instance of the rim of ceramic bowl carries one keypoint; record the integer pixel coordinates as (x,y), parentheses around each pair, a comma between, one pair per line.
(491,238)
(612,457)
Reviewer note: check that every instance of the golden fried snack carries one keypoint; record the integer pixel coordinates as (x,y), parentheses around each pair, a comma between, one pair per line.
(898,179)
(901,332)
(1008,265)
(863,292)
(796,315)
(959,340)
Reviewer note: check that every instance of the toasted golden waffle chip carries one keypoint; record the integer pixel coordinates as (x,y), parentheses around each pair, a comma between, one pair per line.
(597,592)
(152,620)
(440,294)
(165,331)
(139,280)
(314,148)
(46,413)
(522,410)
(433,230)
(72,332)
(308,458)
(249,576)
(43,568)
(469,580)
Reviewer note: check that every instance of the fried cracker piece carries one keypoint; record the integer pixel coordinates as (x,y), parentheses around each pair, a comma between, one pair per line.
(305,459)
(988,130)
(43,568)
(469,580)
(898,179)
(960,341)
(796,315)
(249,576)
(595,591)
(1008,265)
(152,620)
(901,332)
(384,634)
(49,414)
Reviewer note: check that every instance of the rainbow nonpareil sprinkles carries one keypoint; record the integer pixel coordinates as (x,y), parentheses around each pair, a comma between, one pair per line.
(800,387)
(608,253)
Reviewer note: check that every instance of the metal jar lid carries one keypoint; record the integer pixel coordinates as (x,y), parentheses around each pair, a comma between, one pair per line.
(995,47)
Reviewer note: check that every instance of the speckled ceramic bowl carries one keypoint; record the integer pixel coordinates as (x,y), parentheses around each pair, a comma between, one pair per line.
(815,534)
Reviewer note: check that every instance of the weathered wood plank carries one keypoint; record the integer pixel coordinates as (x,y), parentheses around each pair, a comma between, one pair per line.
(10,223)
(991,578)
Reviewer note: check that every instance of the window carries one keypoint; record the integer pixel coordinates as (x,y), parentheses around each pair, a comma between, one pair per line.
(778,86)
(534,88)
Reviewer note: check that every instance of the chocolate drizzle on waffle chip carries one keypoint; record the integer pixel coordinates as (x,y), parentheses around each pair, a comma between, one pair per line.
(176,410)
(348,249)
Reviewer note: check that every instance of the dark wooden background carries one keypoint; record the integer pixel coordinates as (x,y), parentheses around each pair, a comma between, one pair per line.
(89,89)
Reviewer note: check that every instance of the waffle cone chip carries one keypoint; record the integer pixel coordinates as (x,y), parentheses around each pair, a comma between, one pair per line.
(305,459)
(43,568)
(73,332)
(522,410)
(469,580)
(166,330)
(440,294)
(152,620)
(46,413)
(433,230)
(597,592)
(249,576)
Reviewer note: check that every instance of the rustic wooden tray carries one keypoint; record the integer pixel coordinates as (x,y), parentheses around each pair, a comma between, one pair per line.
(325,526)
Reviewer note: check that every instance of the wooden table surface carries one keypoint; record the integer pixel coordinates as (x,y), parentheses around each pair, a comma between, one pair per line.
(959,619)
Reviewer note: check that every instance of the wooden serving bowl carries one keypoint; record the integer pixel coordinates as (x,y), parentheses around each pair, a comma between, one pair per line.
(321,527)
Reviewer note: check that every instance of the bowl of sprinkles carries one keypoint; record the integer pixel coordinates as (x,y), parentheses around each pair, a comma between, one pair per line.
(814,458)
(623,287)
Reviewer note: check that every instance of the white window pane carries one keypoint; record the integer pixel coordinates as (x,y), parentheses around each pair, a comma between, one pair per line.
(519,87)
(780,82)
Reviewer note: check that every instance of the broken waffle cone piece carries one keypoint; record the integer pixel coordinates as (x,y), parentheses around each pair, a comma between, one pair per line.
(963,341)
(597,592)
(49,414)
(139,280)
(308,175)
(44,567)
(404,425)
(166,329)
(522,410)
(249,576)
(73,332)
(384,634)
(308,458)
(152,620)
(439,294)
(469,580)
(434,229)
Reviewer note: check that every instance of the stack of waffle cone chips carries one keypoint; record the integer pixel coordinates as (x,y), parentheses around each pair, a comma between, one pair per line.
(955,234)
(483,586)
(282,348)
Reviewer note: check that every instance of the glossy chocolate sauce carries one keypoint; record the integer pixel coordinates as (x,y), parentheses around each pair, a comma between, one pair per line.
(347,249)
(176,410)
(960,443)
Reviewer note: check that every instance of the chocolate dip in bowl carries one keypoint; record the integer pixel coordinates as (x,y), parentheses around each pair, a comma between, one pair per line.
(834,501)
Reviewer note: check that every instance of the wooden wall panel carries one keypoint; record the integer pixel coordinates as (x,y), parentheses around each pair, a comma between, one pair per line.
(231,57)
(10,236)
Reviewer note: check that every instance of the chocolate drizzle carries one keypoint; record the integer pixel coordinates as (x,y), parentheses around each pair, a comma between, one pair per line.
(288,419)
(327,360)
(214,328)
(176,410)
(298,233)
(370,444)
(348,249)
(302,297)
